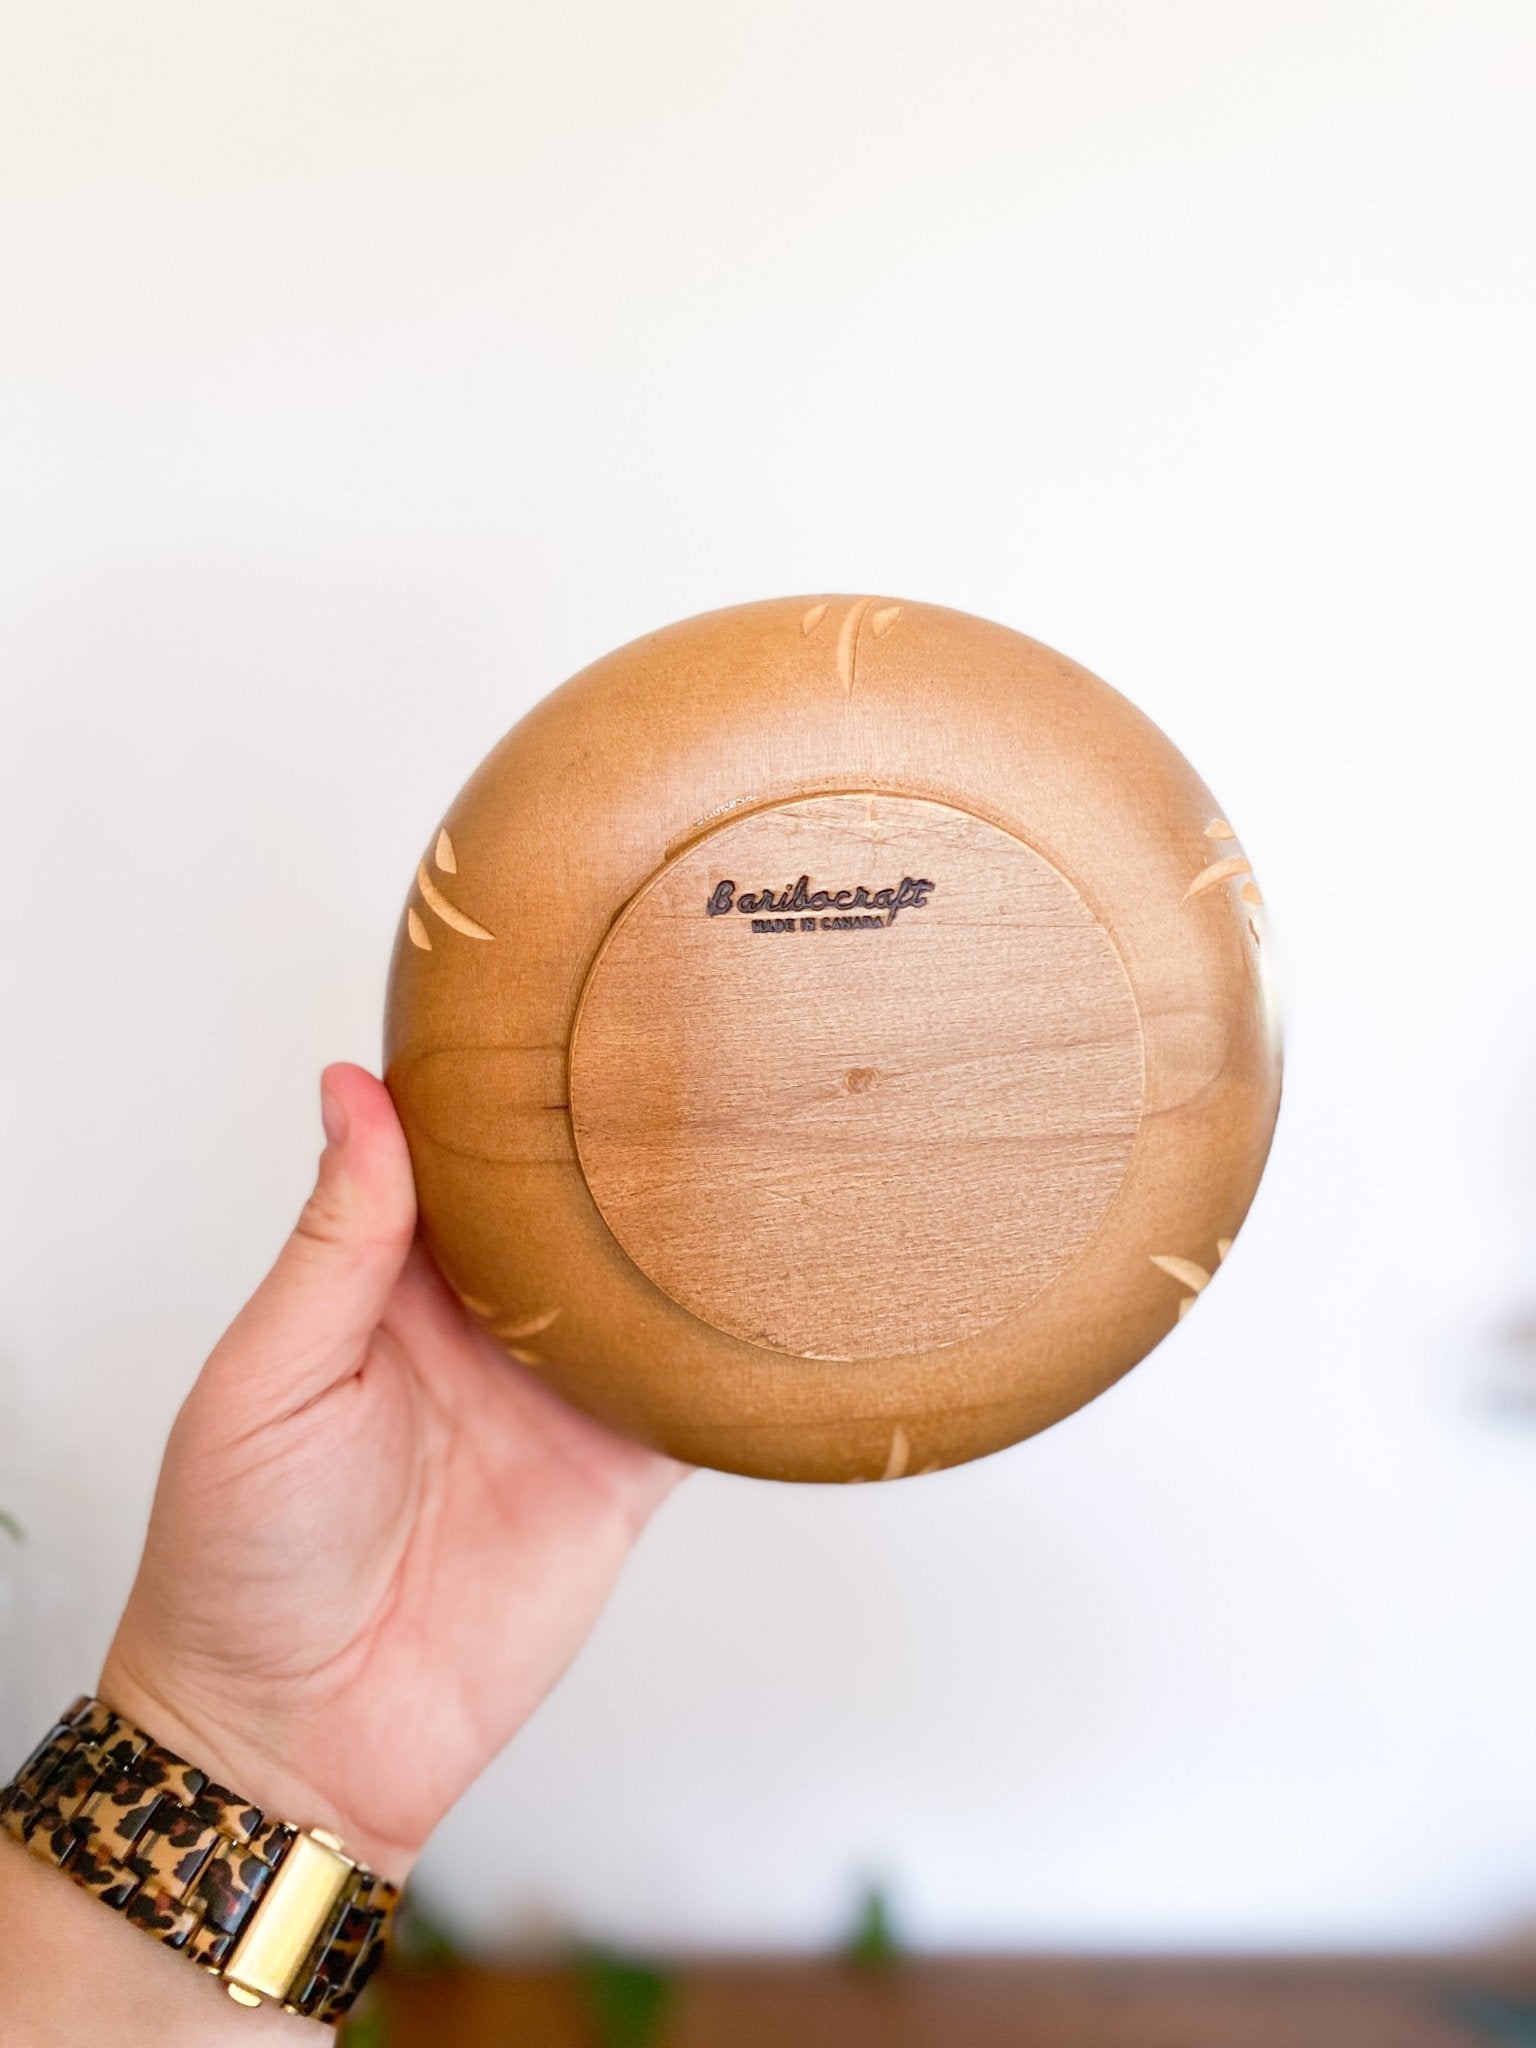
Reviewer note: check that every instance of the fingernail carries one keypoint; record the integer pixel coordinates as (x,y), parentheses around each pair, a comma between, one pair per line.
(333,1114)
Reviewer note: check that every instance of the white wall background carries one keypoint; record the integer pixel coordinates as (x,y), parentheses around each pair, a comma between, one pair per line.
(367,369)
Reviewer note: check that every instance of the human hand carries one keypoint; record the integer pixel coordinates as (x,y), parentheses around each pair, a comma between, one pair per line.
(377,1541)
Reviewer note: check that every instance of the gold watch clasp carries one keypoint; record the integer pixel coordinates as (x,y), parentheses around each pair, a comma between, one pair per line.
(288,1918)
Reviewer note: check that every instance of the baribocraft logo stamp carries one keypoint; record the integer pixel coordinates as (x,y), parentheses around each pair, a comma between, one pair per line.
(800,908)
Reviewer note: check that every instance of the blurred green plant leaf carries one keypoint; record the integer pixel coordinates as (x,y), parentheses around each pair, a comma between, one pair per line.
(627,2001)
(11,1527)
(365,2029)
(421,1940)
(873,1945)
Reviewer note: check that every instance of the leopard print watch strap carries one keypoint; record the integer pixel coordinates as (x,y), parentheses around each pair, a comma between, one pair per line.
(272,1909)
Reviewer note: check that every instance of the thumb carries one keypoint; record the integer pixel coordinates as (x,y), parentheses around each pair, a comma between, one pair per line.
(309,1322)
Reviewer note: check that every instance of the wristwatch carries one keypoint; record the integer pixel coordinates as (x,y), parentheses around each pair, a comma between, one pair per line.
(276,1911)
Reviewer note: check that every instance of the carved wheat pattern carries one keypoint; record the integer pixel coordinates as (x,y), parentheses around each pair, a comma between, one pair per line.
(447,862)
(898,1460)
(1188,1273)
(1218,871)
(880,623)
(510,1330)
(527,1326)
(1227,869)
(899,1455)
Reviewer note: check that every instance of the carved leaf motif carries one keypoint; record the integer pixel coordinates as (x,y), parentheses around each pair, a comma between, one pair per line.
(883,621)
(420,936)
(898,1455)
(444,855)
(1218,828)
(813,618)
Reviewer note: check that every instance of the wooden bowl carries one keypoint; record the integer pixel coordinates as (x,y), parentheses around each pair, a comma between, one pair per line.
(832,1037)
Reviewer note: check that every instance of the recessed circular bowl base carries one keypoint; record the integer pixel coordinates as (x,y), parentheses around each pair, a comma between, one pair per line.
(856,1076)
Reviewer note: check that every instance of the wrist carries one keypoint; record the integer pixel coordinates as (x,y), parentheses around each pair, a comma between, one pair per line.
(248,1759)
(275,1910)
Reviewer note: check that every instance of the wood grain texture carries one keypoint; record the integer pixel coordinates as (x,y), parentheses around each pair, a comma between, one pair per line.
(925,1119)
(849,1203)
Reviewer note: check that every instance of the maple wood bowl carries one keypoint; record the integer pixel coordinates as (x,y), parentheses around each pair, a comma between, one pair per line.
(832,1038)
